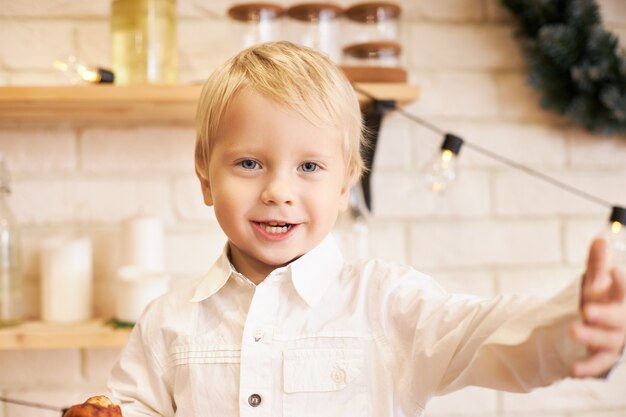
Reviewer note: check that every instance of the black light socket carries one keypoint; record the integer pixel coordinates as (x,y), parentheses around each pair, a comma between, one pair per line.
(452,143)
(105,76)
(618,214)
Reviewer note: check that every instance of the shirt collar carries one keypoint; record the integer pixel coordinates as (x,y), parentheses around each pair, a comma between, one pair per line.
(311,274)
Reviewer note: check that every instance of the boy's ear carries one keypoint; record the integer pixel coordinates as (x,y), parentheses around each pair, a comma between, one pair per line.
(344,197)
(205,184)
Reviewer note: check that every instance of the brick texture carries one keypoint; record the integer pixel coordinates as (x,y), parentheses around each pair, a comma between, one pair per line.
(51,149)
(56,8)
(188,201)
(191,254)
(463,47)
(468,95)
(479,243)
(98,364)
(41,201)
(409,197)
(45,41)
(530,144)
(590,151)
(449,10)
(32,367)
(519,101)
(141,149)
(519,194)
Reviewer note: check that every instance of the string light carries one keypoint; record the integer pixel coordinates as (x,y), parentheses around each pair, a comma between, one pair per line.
(617,231)
(616,236)
(441,172)
(77,71)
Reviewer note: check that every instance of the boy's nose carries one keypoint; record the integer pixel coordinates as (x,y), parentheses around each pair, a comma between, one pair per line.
(277,191)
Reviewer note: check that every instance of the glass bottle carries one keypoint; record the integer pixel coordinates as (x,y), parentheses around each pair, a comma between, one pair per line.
(371,21)
(144,48)
(10,271)
(375,54)
(256,23)
(316,25)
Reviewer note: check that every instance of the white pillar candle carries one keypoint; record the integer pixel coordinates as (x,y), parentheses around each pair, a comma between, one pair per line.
(66,280)
(135,287)
(142,242)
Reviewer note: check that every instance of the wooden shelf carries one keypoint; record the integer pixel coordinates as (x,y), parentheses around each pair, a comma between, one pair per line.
(156,105)
(39,335)
(133,104)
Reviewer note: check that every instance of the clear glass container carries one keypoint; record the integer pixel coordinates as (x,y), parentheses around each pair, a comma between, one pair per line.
(10,269)
(256,23)
(368,22)
(372,54)
(316,25)
(144,49)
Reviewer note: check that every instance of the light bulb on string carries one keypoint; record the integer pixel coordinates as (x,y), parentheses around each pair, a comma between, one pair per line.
(615,234)
(77,71)
(441,172)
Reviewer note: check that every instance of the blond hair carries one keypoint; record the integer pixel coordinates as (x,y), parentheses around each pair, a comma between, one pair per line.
(292,75)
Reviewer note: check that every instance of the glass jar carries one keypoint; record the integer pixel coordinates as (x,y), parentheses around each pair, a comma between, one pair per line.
(256,22)
(316,25)
(10,270)
(372,54)
(367,22)
(144,49)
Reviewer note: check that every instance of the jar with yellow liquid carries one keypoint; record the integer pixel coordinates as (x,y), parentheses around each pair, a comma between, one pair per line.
(144,48)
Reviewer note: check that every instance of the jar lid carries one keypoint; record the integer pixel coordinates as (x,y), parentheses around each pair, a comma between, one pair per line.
(373,12)
(255,12)
(373,50)
(314,12)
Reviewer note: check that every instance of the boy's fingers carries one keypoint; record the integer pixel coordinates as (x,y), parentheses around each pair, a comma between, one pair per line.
(597,338)
(596,265)
(610,316)
(595,365)
(618,289)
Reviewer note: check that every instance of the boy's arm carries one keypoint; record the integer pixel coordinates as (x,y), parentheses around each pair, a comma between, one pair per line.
(443,342)
(603,309)
(137,382)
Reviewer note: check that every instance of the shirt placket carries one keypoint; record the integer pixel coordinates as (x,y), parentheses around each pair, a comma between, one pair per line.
(257,374)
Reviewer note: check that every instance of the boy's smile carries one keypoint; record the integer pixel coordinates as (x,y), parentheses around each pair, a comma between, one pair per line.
(276,181)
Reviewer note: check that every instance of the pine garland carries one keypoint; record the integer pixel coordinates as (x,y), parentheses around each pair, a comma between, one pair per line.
(574,62)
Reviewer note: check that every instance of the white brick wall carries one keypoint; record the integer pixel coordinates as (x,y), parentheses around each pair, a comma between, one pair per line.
(477,243)
(31,368)
(39,150)
(464,47)
(496,230)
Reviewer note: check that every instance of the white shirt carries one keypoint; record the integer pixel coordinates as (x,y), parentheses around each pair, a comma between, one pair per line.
(322,338)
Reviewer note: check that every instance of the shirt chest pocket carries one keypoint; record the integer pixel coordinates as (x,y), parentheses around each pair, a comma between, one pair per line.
(324,382)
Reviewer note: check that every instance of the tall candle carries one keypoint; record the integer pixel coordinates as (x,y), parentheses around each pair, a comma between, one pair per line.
(142,242)
(66,279)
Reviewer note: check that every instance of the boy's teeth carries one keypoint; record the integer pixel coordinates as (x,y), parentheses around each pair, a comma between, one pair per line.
(274,228)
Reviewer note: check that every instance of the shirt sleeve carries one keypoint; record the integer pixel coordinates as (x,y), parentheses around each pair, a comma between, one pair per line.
(443,342)
(137,382)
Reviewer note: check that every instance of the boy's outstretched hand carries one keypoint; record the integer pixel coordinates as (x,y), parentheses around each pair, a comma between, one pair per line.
(603,309)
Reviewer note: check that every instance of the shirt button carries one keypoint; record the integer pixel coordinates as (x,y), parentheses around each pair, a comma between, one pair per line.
(338,376)
(258,335)
(254,400)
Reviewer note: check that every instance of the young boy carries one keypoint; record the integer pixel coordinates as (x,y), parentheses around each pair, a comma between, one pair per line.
(280,326)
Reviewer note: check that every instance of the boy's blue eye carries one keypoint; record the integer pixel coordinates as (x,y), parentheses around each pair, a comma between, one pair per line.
(309,167)
(248,164)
